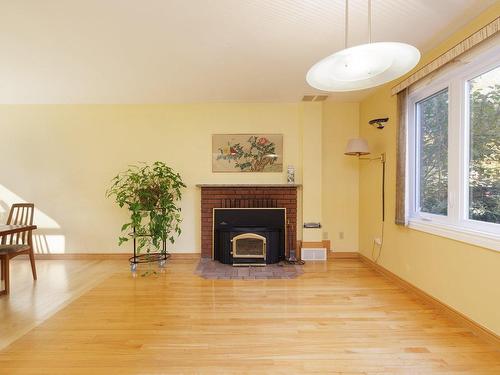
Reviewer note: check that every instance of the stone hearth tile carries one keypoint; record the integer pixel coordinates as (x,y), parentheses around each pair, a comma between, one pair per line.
(213,270)
(210,274)
(243,272)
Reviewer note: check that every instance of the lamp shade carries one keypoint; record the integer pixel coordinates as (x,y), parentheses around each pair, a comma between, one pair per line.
(357,147)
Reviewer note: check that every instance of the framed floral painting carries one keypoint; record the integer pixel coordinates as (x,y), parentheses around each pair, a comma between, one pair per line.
(247,152)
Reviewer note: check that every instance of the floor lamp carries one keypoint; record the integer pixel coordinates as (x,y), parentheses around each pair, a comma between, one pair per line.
(359,147)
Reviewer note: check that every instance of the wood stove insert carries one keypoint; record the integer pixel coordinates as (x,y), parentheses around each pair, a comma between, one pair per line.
(249,236)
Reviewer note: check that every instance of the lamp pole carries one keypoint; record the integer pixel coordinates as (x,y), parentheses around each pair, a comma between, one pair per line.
(380,158)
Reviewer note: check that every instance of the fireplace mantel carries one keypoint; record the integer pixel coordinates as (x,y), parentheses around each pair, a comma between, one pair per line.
(248,185)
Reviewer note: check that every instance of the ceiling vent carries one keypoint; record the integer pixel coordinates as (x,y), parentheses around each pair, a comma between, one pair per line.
(314,98)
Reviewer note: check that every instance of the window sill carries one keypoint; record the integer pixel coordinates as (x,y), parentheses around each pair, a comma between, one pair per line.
(483,239)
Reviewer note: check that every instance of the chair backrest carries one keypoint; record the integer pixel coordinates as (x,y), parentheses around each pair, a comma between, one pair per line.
(20,214)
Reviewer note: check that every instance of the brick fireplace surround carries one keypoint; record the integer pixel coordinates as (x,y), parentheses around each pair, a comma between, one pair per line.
(218,196)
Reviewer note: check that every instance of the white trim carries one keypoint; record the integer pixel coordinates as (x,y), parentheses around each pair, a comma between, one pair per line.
(414,151)
(458,233)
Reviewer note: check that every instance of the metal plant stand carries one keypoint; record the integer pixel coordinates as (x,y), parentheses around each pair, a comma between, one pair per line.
(160,256)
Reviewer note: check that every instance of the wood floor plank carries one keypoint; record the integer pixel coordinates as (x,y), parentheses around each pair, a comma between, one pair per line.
(60,282)
(340,317)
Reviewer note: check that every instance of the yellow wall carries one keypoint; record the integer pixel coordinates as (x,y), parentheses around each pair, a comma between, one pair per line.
(463,276)
(311,120)
(62,158)
(340,176)
(67,155)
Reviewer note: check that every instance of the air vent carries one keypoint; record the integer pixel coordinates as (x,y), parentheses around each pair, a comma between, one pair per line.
(314,98)
(309,253)
(308,98)
(320,98)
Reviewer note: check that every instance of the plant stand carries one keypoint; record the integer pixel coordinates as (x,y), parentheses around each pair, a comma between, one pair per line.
(160,256)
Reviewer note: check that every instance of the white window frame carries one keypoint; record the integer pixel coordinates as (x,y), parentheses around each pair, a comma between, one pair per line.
(456,224)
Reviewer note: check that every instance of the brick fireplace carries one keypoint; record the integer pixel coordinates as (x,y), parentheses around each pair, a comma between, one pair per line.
(246,196)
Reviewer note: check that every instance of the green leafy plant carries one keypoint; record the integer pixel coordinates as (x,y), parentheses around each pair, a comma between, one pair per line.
(152,194)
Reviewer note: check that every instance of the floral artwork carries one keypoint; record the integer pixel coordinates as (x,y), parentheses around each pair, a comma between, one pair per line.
(247,153)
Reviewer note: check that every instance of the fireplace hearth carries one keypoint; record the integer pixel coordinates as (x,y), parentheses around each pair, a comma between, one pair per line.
(249,236)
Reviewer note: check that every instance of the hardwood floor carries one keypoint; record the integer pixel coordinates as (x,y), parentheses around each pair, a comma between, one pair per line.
(59,283)
(340,317)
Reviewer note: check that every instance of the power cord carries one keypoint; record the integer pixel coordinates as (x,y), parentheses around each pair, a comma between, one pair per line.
(381,246)
(291,260)
(295,262)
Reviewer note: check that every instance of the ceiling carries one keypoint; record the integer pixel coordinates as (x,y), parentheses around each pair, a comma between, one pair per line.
(177,51)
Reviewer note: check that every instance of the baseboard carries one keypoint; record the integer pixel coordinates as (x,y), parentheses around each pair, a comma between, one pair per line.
(187,256)
(83,256)
(125,256)
(475,327)
(339,254)
(324,243)
(343,255)
(106,256)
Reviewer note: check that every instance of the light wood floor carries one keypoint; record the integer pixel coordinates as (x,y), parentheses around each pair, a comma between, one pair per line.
(340,317)
(59,283)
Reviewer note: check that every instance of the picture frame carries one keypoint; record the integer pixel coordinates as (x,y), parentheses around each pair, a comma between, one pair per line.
(243,153)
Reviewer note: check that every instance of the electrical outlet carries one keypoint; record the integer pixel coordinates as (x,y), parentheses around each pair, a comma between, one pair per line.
(341,235)
(377,241)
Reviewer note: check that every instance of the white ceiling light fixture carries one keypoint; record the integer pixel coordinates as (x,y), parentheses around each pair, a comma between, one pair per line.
(363,66)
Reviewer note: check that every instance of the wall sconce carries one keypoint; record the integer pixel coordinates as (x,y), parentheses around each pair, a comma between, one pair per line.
(358,147)
(379,123)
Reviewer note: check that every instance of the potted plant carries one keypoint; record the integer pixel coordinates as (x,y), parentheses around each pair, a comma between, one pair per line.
(152,194)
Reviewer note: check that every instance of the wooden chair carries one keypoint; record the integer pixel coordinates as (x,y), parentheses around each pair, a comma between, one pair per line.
(16,244)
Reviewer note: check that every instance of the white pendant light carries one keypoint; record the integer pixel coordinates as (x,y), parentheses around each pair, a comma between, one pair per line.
(363,66)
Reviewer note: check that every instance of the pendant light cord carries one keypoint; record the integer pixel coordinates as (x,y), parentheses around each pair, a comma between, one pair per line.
(346,22)
(369,21)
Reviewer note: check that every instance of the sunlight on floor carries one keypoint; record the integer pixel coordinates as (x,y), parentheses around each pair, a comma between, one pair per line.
(59,282)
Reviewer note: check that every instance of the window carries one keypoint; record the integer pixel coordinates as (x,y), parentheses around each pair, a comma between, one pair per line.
(484,147)
(454,153)
(432,123)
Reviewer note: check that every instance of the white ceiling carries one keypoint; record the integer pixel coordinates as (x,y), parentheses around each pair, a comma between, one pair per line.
(164,51)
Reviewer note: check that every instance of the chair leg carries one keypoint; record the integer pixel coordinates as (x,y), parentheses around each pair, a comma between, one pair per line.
(6,274)
(32,261)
